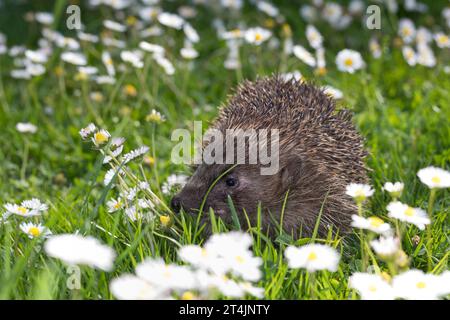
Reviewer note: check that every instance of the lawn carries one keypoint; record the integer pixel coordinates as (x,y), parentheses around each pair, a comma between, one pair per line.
(400,108)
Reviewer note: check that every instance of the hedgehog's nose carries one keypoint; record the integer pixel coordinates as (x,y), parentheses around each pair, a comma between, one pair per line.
(176,204)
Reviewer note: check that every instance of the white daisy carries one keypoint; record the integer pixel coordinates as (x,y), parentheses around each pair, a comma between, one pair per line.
(166,276)
(395,189)
(171,20)
(406,30)
(410,55)
(76,249)
(314,37)
(130,287)
(101,137)
(359,191)
(349,61)
(132,57)
(304,55)
(23,127)
(174,181)
(114,205)
(75,58)
(417,285)
(371,286)
(257,35)
(434,177)
(35,230)
(374,224)
(136,153)
(442,40)
(405,213)
(88,131)
(312,257)
(114,26)
(386,247)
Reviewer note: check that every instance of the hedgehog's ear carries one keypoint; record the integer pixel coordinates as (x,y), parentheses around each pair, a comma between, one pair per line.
(290,169)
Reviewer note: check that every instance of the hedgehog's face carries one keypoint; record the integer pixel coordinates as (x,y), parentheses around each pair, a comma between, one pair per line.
(243,184)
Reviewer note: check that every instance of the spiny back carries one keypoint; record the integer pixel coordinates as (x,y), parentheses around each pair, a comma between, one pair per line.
(307,120)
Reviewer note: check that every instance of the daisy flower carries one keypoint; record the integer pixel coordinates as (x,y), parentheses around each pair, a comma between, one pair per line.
(434,177)
(405,213)
(166,276)
(386,247)
(349,61)
(88,131)
(257,35)
(410,55)
(152,48)
(76,249)
(45,18)
(35,230)
(172,182)
(27,127)
(333,92)
(171,20)
(75,58)
(133,58)
(163,62)
(101,137)
(425,56)
(295,75)
(374,224)
(188,53)
(358,191)
(136,153)
(406,30)
(114,205)
(371,286)
(130,287)
(314,37)
(267,8)
(417,285)
(304,55)
(114,26)
(312,257)
(442,40)
(395,189)
(108,62)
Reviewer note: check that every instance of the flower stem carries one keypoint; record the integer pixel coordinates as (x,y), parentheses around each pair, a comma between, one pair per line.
(361,239)
(429,244)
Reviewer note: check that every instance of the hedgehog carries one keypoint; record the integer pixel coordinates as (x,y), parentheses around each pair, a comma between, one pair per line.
(320,153)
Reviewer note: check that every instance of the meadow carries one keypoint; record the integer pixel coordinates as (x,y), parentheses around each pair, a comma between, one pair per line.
(98,230)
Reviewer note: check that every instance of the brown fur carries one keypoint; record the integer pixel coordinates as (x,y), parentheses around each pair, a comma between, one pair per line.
(320,153)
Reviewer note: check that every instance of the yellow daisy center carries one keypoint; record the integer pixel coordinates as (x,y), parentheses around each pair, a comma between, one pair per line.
(349,62)
(442,39)
(258,37)
(436,179)
(100,137)
(22,210)
(372,288)
(312,256)
(421,285)
(34,231)
(117,205)
(240,259)
(410,212)
(406,32)
(375,222)
(188,295)
(204,252)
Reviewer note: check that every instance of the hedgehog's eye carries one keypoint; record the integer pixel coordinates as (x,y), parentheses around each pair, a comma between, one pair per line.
(231,182)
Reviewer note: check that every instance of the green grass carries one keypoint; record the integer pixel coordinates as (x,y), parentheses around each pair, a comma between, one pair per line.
(401,111)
